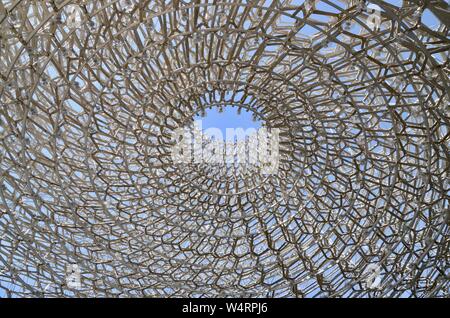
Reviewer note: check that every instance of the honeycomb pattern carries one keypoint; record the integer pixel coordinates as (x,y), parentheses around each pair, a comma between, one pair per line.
(92,91)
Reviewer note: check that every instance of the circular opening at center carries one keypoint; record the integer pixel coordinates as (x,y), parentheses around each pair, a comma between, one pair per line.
(233,124)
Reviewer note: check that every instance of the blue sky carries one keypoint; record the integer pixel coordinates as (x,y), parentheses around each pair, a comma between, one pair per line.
(229,118)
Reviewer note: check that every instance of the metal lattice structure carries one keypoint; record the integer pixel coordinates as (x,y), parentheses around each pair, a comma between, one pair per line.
(92,205)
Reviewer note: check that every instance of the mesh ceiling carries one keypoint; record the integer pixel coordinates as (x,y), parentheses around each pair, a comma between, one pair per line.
(92,91)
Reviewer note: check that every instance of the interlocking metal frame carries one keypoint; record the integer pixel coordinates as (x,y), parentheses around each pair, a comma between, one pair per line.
(91,203)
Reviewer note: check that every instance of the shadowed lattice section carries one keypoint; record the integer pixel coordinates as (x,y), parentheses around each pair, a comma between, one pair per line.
(91,203)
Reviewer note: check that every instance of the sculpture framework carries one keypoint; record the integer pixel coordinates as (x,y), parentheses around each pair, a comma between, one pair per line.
(92,205)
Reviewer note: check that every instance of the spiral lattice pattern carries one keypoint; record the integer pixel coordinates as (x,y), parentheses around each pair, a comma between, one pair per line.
(91,92)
